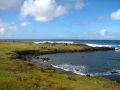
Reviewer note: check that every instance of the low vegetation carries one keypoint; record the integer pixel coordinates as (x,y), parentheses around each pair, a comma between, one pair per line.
(18,73)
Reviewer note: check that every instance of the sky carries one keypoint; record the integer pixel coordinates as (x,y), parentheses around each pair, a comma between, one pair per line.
(60,19)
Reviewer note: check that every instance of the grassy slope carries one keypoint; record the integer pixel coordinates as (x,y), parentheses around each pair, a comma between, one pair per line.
(21,75)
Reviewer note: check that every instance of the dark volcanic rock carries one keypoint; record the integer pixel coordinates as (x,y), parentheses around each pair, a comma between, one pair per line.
(102,48)
(45,59)
(27,54)
(114,72)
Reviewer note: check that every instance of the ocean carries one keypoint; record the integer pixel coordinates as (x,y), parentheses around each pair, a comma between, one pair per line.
(97,63)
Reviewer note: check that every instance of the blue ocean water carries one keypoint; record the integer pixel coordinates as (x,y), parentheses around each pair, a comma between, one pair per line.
(97,63)
(101,43)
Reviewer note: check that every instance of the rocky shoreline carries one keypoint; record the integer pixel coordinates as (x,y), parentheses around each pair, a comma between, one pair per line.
(28,54)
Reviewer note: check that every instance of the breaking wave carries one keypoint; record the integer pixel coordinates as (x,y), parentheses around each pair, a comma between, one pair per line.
(117,47)
(64,42)
(82,70)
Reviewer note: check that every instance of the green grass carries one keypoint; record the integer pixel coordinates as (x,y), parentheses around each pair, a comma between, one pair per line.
(23,75)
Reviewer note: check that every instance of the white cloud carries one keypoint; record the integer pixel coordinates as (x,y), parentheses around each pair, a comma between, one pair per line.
(42,10)
(103,32)
(116,15)
(2,30)
(45,10)
(6,26)
(7,4)
(79,5)
(25,23)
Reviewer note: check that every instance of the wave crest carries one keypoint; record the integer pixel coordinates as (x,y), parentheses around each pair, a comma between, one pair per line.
(82,70)
(117,47)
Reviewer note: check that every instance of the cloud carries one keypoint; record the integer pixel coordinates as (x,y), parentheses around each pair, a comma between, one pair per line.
(42,10)
(6,26)
(93,34)
(79,4)
(76,4)
(2,30)
(116,15)
(45,10)
(7,4)
(24,23)
(103,32)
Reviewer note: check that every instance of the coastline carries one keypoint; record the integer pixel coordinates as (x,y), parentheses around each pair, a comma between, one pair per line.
(24,74)
(27,54)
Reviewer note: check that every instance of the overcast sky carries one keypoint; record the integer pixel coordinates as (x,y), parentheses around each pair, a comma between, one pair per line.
(60,19)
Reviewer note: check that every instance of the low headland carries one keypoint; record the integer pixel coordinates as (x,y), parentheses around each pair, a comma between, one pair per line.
(17,72)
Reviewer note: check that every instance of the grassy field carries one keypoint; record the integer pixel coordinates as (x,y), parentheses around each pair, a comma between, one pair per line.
(23,75)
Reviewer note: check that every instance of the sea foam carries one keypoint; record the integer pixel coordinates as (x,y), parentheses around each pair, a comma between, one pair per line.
(117,47)
(82,70)
(64,42)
